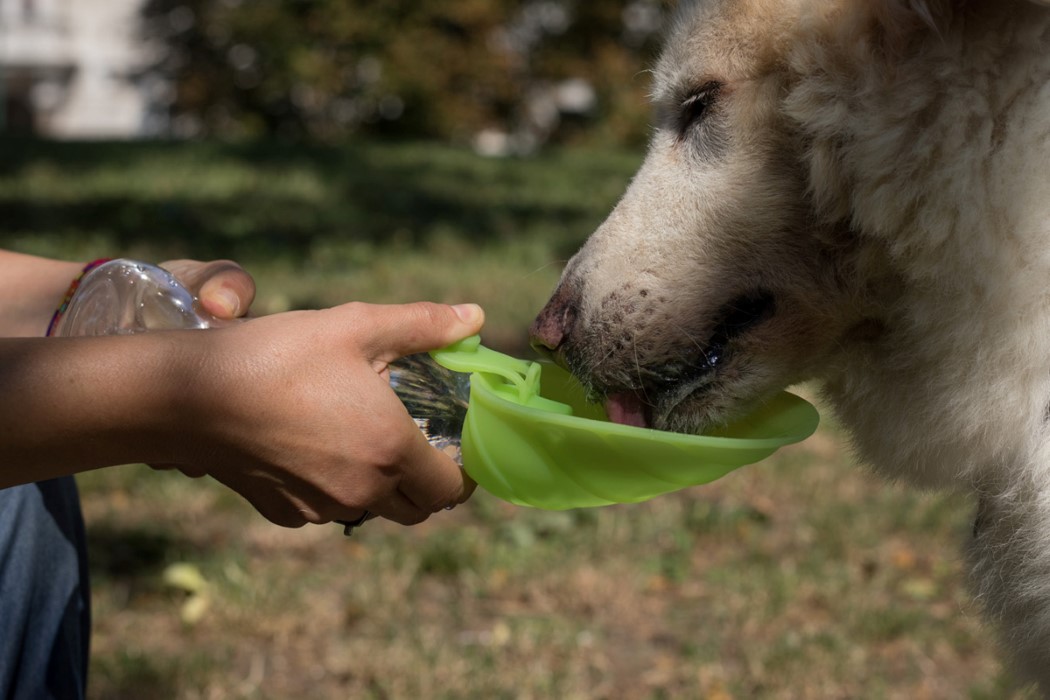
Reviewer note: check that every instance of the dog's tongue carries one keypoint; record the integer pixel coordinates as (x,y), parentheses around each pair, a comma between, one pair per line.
(626,409)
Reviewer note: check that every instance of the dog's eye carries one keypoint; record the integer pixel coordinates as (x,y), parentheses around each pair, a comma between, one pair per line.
(740,315)
(746,311)
(695,107)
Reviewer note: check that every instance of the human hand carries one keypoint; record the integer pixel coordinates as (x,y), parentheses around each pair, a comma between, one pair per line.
(295,412)
(225,290)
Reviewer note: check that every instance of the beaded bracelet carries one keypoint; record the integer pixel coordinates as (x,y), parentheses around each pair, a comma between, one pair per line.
(71,291)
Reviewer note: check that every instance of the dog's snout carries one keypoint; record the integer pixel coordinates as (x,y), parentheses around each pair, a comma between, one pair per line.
(554,323)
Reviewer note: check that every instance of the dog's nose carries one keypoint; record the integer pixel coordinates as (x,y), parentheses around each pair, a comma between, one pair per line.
(554,323)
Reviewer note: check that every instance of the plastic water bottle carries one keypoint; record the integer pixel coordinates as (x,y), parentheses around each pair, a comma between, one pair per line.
(122,297)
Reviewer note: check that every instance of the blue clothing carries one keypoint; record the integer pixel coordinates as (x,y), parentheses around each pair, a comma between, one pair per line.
(45,618)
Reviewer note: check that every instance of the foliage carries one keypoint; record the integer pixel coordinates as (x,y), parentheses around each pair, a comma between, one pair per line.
(446,69)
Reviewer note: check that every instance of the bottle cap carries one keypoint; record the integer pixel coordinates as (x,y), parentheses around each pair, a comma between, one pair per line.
(531,437)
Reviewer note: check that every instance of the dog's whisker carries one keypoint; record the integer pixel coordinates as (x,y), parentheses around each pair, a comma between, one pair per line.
(543,267)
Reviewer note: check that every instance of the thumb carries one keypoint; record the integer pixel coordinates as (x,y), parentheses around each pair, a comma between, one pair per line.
(227,292)
(405,329)
(222,286)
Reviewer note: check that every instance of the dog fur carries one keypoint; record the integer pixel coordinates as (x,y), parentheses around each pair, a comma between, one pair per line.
(852,192)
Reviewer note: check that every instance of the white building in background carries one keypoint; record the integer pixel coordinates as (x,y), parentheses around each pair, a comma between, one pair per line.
(71,69)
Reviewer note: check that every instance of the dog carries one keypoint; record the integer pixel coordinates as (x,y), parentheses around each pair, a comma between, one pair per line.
(854,193)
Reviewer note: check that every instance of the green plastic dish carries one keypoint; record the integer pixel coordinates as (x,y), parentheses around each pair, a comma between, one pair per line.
(531,438)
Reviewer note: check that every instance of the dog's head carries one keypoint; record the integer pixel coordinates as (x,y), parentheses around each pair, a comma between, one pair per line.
(714,283)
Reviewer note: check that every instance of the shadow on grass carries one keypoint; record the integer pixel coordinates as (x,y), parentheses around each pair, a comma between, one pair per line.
(273,199)
(128,676)
(134,556)
(132,674)
(130,560)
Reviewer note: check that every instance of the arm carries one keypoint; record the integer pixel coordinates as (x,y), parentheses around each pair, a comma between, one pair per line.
(292,411)
(31,288)
(72,404)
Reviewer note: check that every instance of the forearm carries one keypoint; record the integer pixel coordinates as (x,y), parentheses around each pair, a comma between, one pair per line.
(31,288)
(73,404)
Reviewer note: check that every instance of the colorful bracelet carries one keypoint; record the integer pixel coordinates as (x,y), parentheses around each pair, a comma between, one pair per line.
(70,292)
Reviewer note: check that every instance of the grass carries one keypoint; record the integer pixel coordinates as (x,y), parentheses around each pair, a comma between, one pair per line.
(321,226)
(801,577)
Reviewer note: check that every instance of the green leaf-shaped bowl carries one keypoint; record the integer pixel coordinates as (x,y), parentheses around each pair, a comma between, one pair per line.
(531,438)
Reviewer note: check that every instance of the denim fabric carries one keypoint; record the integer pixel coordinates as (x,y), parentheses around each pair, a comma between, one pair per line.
(45,619)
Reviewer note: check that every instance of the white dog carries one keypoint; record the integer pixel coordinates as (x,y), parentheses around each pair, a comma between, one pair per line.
(856,192)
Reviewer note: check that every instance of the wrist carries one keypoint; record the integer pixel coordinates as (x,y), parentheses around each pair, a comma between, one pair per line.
(59,312)
(144,379)
(192,406)
(176,407)
(39,285)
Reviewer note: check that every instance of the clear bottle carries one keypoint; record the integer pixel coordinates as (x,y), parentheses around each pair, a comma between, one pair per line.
(123,296)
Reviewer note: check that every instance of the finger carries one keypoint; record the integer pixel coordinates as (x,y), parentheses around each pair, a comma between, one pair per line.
(405,329)
(270,497)
(224,288)
(283,513)
(469,487)
(396,507)
(432,480)
(228,293)
(350,525)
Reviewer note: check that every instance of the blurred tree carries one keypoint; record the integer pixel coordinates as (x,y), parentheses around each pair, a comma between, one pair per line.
(518,72)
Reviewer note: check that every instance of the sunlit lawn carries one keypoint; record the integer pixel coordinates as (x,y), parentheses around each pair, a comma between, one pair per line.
(319,226)
(801,577)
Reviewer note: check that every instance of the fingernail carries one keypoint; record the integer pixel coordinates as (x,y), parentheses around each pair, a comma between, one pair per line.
(468,313)
(228,300)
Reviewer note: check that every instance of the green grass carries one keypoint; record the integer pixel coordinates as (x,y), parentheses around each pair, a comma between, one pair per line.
(319,226)
(801,577)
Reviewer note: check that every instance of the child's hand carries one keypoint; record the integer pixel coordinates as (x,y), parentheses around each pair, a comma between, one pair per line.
(224,288)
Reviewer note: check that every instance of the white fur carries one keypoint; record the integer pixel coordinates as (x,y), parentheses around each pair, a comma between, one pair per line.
(946,164)
(884,173)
